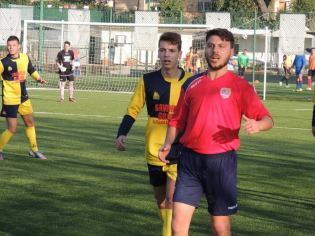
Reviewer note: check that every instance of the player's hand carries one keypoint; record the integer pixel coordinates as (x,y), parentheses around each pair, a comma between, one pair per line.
(163,151)
(62,68)
(121,143)
(251,126)
(313,130)
(42,81)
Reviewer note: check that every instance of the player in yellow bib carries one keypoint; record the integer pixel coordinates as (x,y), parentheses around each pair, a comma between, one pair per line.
(13,70)
(159,90)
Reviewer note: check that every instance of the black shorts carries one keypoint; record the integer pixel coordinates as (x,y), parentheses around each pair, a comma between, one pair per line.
(311,73)
(241,71)
(213,175)
(64,76)
(157,176)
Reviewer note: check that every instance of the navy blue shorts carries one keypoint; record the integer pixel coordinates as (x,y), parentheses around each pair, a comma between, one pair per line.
(157,176)
(212,175)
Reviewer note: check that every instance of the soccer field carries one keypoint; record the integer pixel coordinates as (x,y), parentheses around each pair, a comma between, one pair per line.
(86,187)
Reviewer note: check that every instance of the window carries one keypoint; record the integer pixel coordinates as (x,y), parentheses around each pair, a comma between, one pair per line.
(204,5)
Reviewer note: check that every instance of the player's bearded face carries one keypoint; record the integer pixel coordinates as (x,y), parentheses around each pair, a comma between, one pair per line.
(217,53)
(169,55)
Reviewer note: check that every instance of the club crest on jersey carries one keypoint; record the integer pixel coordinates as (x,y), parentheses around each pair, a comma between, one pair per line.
(225,93)
(156,96)
(9,68)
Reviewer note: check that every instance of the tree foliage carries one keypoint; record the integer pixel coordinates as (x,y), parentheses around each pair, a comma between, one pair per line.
(171,7)
(303,6)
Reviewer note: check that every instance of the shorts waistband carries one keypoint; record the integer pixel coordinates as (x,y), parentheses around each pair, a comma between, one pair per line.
(215,155)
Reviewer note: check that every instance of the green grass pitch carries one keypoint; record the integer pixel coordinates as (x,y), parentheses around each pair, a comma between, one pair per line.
(86,187)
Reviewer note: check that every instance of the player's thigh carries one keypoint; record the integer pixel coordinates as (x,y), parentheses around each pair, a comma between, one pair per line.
(182,215)
(26,111)
(70,78)
(220,184)
(188,187)
(158,181)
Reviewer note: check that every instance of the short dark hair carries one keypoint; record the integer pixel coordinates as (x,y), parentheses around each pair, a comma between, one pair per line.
(13,38)
(67,42)
(224,34)
(173,38)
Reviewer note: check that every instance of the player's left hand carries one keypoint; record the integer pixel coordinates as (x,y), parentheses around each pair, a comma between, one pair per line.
(42,81)
(163,151)
(251,126)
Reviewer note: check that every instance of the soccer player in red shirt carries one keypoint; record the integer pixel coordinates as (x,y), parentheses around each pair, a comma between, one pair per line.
(209,113)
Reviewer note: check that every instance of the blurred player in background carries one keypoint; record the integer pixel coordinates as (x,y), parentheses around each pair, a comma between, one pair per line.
(159,90)
(299,66)
(286,65)
(311,69)
(243,61)
(13,70)
(76,64)
(64,62)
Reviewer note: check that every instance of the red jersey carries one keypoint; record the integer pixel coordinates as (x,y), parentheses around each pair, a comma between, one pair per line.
(210,112)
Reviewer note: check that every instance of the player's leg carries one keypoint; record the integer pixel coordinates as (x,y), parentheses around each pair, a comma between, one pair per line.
(158,181)
(26,112)
(10,112)
(62,85)
(221,225)
(71,88)
(188,191)
(171,171)
(220,190)
(182,215)
(309,80)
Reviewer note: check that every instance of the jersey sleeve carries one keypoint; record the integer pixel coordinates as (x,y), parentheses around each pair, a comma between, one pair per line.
(178,120)
(137,101)
(32,71)
(252,106)
(1,70)
(135,105)
(59,58)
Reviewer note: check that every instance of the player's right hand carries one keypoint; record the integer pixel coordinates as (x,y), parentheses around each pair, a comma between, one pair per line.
(163,152)
(121,143)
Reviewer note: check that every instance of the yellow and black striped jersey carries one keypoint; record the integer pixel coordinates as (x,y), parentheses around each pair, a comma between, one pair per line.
(13,73)
(160,96)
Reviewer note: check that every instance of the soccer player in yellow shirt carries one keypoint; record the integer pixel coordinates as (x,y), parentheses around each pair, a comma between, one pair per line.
(159,90)
(13,71)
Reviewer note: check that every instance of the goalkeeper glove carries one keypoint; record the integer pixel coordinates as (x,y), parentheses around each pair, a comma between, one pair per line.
(62,68)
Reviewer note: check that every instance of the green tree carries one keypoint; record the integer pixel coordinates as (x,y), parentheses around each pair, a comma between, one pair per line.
(303,6)
(171,7)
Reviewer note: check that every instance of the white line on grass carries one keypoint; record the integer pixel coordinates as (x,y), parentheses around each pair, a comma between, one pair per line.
(82,115)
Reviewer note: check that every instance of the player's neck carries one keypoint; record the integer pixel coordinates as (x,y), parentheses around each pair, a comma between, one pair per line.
(16,55)
(214,74)
(171,73)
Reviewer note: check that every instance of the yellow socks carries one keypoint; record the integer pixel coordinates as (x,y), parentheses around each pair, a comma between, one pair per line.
(5,138)
(167,224)
(31,135)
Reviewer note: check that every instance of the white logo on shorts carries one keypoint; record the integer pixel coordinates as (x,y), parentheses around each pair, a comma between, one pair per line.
(232,207)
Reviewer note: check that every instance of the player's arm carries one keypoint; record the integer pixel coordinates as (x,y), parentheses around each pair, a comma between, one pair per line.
(175,125)
(1,70)
(256,116)
(34,73)
(59,63)
(135,105)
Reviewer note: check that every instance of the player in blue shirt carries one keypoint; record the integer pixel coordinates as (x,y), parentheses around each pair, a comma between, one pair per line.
(299,65)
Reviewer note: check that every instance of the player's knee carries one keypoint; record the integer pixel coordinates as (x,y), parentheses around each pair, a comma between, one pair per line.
(12,129)
(219,229)
(178,228)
